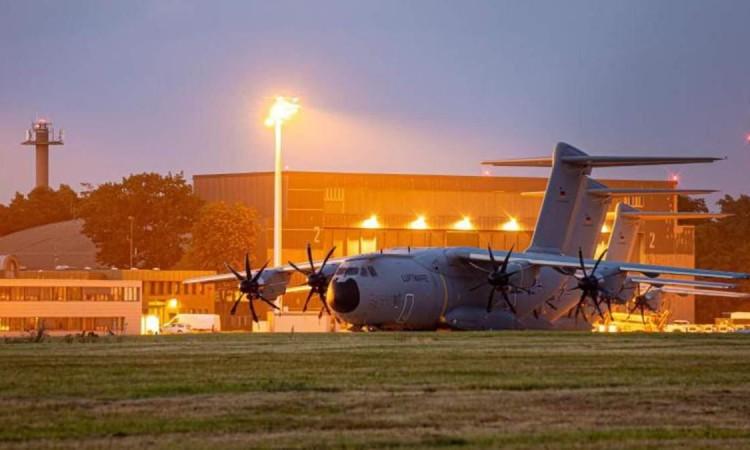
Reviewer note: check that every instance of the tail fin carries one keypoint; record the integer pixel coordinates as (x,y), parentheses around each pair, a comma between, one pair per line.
(565,184)
(624,233)
(570,166)
(589,216)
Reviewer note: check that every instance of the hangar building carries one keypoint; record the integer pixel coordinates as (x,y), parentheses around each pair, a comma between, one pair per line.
(361,212)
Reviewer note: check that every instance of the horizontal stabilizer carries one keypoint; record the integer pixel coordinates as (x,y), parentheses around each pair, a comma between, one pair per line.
(707,292)
(625,192)
(676,282)
(666,215)
(603,161)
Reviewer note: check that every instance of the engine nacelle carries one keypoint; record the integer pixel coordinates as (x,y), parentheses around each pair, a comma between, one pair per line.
(524,275)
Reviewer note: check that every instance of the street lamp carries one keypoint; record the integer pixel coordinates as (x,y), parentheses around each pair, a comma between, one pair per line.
(283,109)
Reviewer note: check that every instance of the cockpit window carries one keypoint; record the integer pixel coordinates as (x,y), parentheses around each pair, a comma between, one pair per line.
(372,271)
(363,271)
(352,271)
(340,270)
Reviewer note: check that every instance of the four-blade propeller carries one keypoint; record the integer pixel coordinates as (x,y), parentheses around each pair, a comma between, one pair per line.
(498,278)
(316,279)
(249,285)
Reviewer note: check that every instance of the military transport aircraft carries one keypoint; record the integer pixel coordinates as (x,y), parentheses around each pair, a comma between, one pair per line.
(459,287)
(620,247)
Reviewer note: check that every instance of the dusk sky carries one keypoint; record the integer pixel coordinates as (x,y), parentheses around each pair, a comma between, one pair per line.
(385,86)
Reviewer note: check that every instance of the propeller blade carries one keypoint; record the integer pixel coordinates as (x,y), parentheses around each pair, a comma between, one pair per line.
(260,272)
(507,258)
(294,266)
(307,300)
(236,303)
(599,260)
(320,313)
(508,302)
(309,258)
(269,302)
(595,299)
(490,299)
(328,256)
(248,272)
(328,310)
(580,258)
(236,274)
(492,257)
(252,309)
(643,317)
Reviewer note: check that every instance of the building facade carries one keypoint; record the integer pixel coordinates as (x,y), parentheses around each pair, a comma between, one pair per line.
(65,306)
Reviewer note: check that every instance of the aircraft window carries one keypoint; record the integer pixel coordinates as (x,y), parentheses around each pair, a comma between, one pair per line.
(372,271)
(364,272)
(352,271)
(340,270)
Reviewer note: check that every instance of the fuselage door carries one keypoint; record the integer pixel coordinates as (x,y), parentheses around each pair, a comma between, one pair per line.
(407,309)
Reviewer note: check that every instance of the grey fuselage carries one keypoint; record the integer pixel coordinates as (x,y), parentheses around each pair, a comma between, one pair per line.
(425,288)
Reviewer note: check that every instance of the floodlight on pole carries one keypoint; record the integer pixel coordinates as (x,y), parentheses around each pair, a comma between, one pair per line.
(283,109)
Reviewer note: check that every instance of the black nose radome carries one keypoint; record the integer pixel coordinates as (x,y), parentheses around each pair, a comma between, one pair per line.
(345,296)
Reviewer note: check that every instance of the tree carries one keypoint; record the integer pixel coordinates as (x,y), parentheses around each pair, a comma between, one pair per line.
(723,244)
(222,233)
(42,206)
(161,208)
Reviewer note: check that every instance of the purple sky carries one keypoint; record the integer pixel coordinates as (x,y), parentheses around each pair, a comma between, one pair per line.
(385,86)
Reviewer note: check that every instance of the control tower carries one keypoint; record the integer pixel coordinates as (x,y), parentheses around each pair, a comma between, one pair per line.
(42,135)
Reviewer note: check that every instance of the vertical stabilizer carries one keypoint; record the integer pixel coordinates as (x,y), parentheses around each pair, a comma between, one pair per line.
(589,216)
(566,183)
(624,234)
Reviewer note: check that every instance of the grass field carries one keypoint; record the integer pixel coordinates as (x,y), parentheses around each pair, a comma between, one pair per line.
(379,390)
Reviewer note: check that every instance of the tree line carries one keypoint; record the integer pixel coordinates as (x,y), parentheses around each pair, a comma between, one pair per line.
(169,225)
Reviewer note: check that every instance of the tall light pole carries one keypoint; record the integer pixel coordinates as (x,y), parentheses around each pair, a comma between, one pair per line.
(282,110)
(131,219)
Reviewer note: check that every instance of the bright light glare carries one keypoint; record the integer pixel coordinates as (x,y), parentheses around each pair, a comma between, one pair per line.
(149,324)
(371,222)
(511,225)
(605,228)
(283,109)
(418,224)
(172,303)
(463,224)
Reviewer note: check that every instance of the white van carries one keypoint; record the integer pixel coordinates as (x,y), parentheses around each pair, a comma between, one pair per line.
(191,323)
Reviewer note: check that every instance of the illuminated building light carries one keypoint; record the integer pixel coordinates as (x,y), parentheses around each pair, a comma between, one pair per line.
(605,228)
(173,303)
(150,324)
(511,225)
(283,109)
(463,224)
(418,224)
(371,222)
(747,138)
(675,177)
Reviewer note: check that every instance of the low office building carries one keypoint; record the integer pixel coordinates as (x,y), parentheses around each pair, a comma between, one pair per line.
(66,306)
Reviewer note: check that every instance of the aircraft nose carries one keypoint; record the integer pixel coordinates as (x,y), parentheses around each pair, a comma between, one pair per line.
(345,296)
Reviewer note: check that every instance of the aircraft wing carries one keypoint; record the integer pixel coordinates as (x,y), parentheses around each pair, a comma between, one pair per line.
(570,262)
(676,282)
(707,292)
(268,274)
